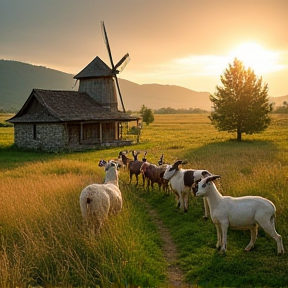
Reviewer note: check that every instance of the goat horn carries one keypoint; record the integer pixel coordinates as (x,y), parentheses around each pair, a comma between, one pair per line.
(212,178)
(176,164)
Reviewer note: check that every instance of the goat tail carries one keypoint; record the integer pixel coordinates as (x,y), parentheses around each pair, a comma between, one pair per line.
(88,207)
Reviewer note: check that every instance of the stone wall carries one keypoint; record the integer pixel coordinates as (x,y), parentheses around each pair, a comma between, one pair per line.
(56,138)
(42,137)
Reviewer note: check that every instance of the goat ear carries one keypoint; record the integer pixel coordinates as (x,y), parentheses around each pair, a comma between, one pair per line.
(184,162)
(206,173)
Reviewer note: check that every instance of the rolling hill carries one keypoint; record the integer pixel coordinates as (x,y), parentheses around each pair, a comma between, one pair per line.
(17,80)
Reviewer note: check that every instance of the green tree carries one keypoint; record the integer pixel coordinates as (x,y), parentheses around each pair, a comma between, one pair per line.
(147,115)
(241,105)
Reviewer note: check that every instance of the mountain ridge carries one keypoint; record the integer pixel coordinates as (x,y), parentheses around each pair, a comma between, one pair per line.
(18,79)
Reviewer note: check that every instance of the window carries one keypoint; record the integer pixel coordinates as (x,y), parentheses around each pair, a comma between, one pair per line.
(108,131)
(91,133)
(34,132)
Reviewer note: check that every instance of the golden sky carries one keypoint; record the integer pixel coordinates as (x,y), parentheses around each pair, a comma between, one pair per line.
(177,42)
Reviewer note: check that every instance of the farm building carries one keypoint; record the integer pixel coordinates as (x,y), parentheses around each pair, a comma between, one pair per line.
(55,121)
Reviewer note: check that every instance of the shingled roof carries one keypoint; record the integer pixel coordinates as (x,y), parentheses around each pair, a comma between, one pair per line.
(97,68)
(65,106)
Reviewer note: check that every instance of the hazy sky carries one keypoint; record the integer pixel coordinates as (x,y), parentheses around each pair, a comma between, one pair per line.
(182,42)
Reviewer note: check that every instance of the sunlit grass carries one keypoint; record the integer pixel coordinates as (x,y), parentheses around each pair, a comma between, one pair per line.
(44,242)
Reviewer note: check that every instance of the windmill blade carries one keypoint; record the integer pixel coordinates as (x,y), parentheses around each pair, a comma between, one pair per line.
(120,96)
(122,63)
(105,37)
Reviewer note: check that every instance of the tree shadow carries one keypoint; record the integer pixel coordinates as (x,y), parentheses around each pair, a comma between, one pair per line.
(231,151)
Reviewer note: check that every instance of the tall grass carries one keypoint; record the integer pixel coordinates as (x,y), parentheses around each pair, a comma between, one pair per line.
(44,242)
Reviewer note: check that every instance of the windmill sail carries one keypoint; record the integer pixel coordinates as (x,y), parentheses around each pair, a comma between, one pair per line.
(105,37)
(121,64)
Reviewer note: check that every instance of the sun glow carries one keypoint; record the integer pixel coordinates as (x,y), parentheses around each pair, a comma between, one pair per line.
(256,57)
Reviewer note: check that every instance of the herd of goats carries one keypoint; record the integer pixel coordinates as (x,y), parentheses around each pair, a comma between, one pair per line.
(98,201)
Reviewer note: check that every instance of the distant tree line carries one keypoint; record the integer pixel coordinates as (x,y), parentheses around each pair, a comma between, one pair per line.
(170,110)
(9,110)
(282,109)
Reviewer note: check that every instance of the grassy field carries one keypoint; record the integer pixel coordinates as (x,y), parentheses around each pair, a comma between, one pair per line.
(43,241)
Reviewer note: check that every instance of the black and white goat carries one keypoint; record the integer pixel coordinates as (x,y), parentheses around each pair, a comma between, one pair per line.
(182,181)
(104,163)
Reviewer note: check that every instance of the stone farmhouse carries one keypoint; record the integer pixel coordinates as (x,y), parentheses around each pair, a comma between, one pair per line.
(55,121)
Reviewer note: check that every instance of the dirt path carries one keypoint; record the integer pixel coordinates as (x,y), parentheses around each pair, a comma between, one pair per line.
(175,276)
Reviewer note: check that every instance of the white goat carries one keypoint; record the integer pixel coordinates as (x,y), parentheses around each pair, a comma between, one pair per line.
(97,201)
(241,213)
(182,181)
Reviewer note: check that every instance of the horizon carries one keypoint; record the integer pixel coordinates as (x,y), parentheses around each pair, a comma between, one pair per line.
(188,45)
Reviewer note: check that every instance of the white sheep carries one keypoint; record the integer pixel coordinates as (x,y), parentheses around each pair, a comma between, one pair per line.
(182,181)
(241,213)
(97,201)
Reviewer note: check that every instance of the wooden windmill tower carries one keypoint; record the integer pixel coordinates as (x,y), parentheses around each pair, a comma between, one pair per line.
(100,81)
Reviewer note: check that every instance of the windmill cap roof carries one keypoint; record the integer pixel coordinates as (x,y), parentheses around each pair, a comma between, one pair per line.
(96,68)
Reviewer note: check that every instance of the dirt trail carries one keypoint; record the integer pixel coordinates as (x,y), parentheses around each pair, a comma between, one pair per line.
(175,276)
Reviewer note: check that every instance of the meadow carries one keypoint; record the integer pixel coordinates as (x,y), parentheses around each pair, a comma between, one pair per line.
(44,242)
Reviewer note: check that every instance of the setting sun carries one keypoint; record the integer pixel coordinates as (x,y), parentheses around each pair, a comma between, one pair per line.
(256,57)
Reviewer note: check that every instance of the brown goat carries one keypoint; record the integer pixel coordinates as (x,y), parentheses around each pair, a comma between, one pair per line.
(124,158)
(154,174)
(134,167)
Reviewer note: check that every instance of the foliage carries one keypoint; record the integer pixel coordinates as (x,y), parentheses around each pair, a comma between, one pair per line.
(241,104)
(147,115)
(135,130)
(170,110)
(44,242)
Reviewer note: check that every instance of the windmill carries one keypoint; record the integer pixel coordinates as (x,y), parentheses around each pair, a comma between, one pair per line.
(119,67)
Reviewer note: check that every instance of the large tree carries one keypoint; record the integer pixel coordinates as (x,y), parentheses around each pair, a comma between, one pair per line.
(241,105)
